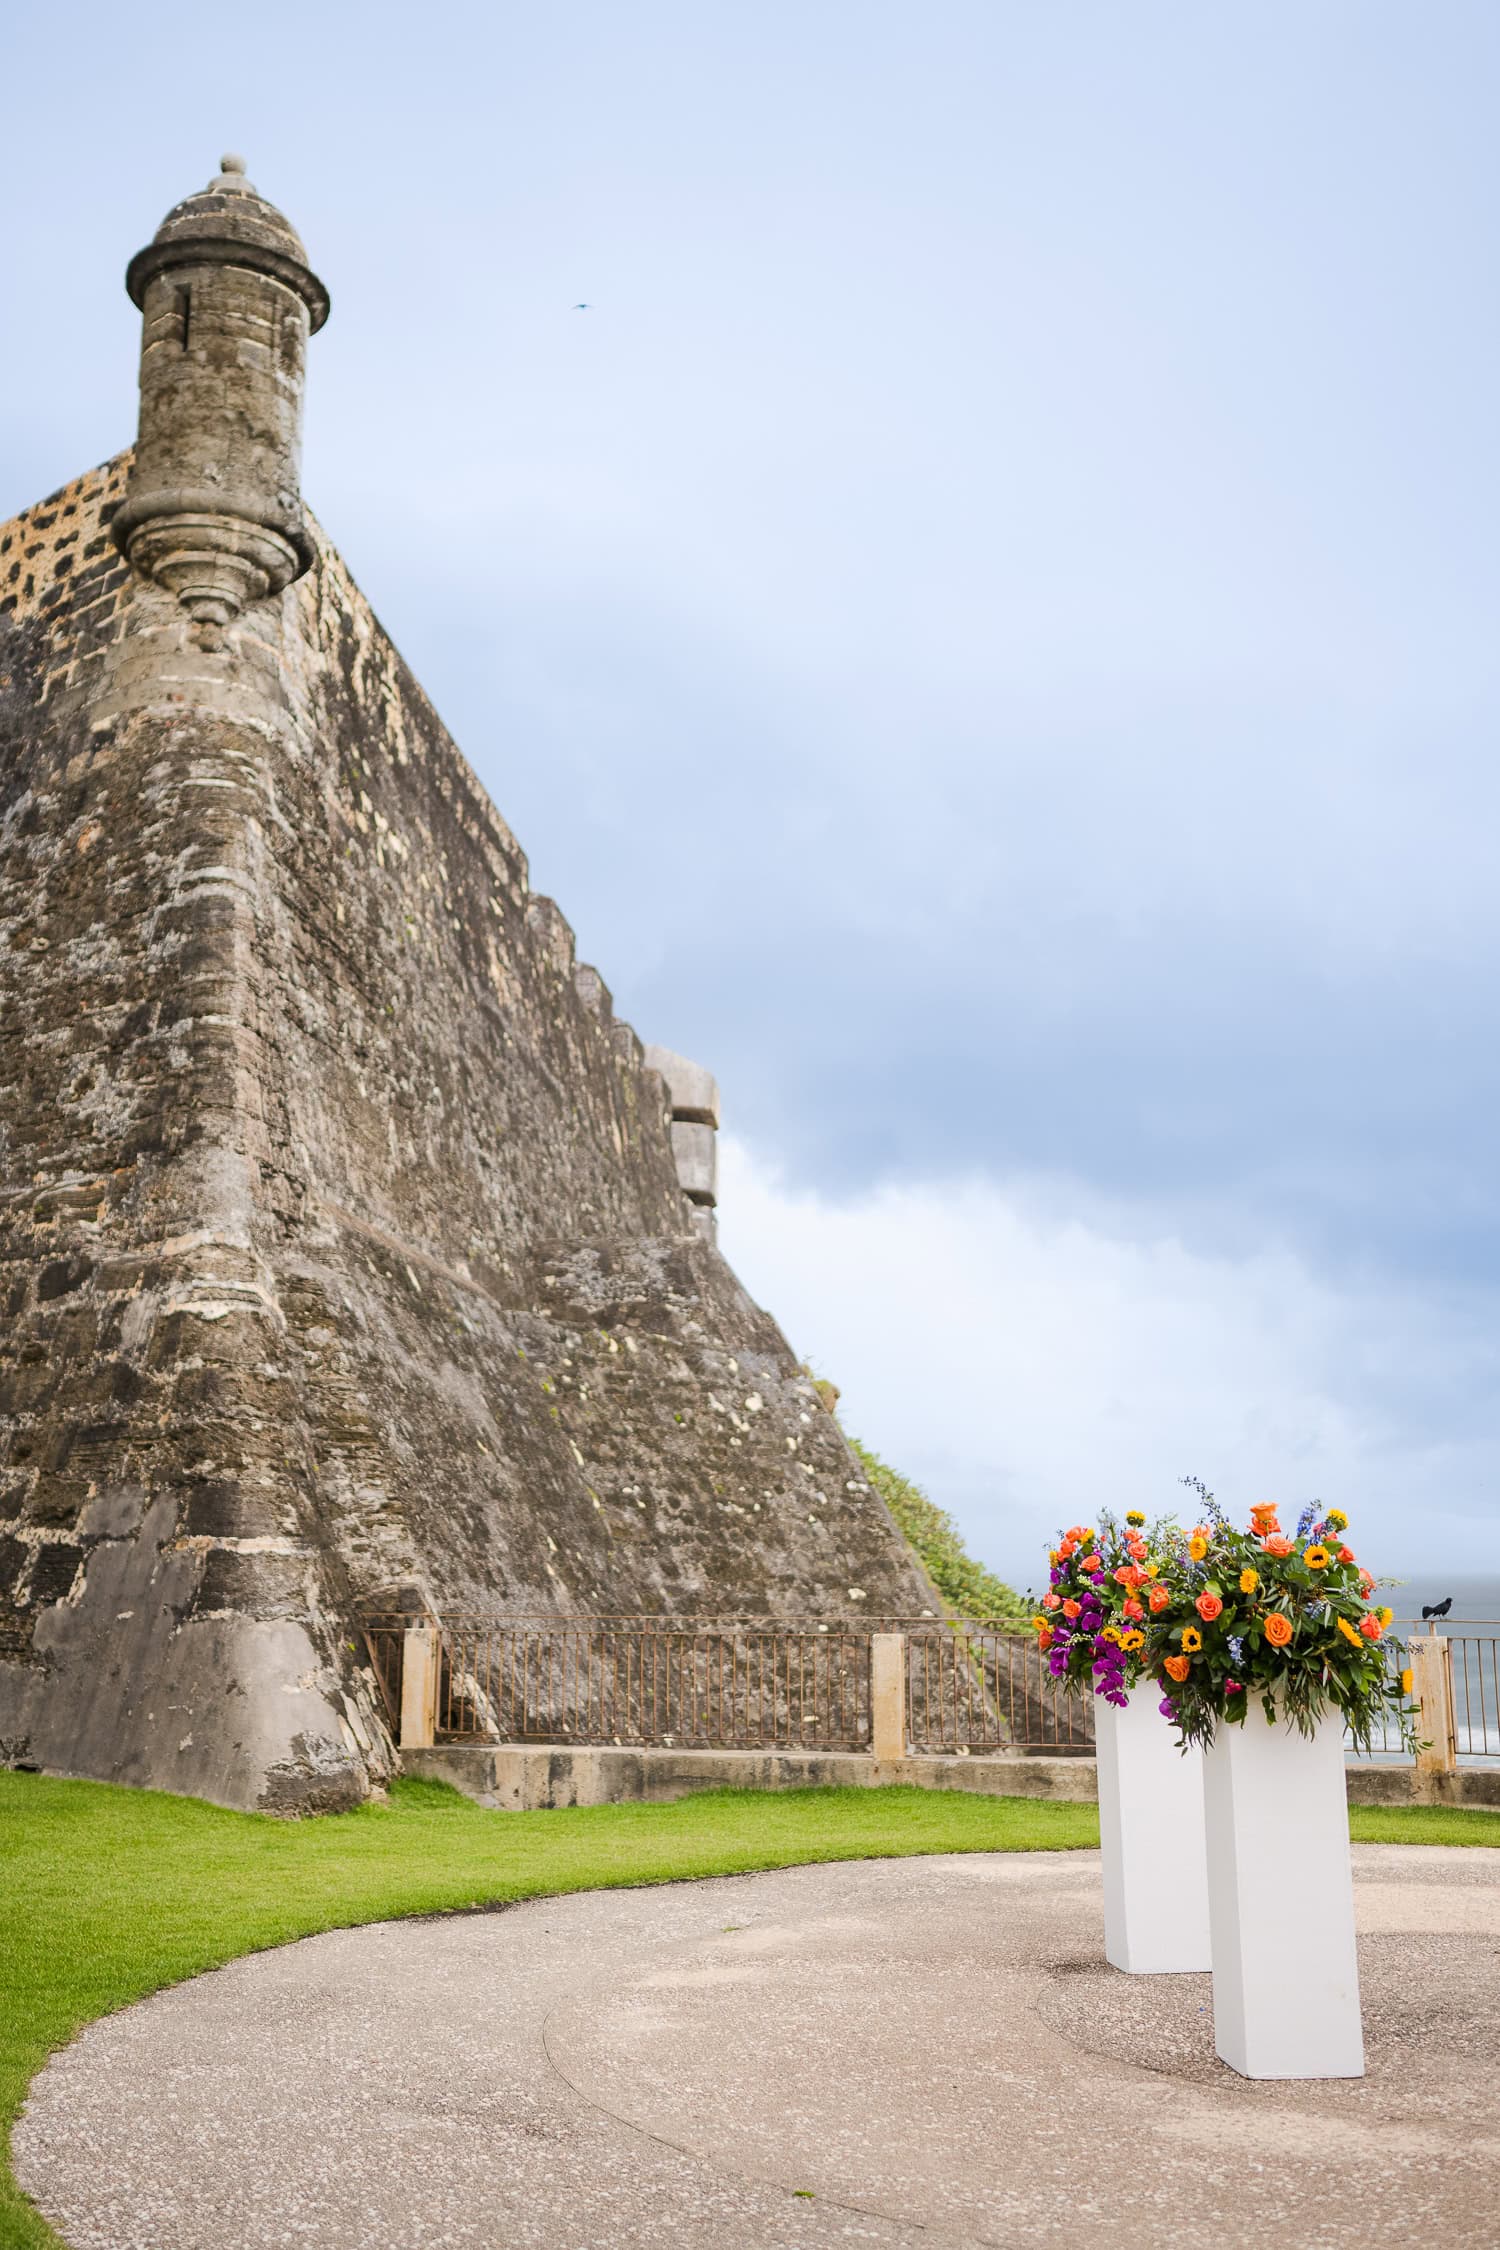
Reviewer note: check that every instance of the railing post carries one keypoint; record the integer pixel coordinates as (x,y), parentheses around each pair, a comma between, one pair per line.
(419,1687)
(1432,1685)
(888,1695)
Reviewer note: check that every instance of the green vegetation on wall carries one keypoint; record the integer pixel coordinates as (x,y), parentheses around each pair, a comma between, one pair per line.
(967,1588)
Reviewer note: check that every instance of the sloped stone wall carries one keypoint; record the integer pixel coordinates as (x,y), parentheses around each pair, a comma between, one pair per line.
(341,1244)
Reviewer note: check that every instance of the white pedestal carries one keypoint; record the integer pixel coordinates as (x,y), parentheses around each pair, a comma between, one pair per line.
(1151,1834)
(1281,1901)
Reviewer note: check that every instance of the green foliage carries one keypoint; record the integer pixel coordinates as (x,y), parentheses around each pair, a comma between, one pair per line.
(967,1588)
(109,1894)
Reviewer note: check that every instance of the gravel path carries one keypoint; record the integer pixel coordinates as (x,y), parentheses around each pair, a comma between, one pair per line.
(907,2051)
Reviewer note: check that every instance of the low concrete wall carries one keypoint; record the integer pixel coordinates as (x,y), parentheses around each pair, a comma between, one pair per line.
(525,1777)
(1401,1785)
(520,1777)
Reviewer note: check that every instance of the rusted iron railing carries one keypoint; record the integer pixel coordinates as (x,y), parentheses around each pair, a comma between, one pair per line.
(716,1683)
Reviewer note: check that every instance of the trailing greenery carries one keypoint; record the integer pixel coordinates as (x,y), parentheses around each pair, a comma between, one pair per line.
(967,1588)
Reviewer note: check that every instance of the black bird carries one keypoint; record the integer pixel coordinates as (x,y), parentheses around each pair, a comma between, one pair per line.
(583,308)
(1439,1609)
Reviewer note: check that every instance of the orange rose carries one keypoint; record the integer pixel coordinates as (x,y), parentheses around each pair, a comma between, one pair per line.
(1045,1637)
(1346,1554)
(1208,1607)
(1277,1544)
(1178,1667)
(1090,1563)
(1158,1598)
(1051,1601)
(1371,1626)
(1070,1609)
(1133,1608)
(1123,1576)
(1278,1629)
(1263,1519)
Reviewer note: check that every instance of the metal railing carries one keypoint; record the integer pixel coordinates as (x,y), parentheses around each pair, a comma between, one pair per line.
(710,1683)
(1460,1700)
(978,1687)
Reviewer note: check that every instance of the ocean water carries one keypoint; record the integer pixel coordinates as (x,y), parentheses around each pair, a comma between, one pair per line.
(1476,1600)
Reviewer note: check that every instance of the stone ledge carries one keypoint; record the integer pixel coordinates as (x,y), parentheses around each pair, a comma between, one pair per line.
(529,1777)
(533,1777)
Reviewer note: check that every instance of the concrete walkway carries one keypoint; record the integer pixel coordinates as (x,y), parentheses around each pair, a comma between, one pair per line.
(914,2051)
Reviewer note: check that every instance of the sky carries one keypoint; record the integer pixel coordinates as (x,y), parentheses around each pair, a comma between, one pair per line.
(986,624)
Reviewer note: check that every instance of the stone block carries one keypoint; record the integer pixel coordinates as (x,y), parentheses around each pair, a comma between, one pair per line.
(696,1155)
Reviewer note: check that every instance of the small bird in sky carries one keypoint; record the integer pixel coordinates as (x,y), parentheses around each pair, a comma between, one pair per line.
(1439,1609)
(583,308)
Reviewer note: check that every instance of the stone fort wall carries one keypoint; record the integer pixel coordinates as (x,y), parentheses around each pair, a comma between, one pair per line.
(342,1250)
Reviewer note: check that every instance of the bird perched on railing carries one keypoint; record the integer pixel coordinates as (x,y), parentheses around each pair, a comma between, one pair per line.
(1439,1609)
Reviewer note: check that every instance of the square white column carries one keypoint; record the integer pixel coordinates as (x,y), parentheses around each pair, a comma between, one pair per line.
(1281,1901)
(1151,1838)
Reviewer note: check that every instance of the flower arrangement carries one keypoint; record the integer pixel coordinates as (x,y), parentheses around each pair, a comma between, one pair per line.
(1287,1617)
(1091,1625)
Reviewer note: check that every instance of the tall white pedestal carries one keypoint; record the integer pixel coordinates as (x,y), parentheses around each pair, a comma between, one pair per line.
(1281,1901)
(1151,1834)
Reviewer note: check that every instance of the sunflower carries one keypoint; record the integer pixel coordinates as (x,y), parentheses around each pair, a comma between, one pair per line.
(1316,1558)
(1348,1632)
(1192,1639)
(1134,1518)
(1337,1520)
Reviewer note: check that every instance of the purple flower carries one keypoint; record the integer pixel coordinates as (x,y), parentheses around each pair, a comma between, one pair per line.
(1167,1707)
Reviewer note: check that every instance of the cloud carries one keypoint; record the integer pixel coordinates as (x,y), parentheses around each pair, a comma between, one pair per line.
(1029,1354)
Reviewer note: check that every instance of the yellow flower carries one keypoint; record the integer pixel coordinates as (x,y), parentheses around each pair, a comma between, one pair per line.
(1053,1557)
(1385,1615)
(1336,1520)
(1192,1639)
(1197,1547)
(1249,1580)
(1153,1570)
(1316,1558)
(1406,1681)
(1039,1622)
(1349,1633)
(1110,1633)
(1134,1517)
(1132,1639)
(1088,1535)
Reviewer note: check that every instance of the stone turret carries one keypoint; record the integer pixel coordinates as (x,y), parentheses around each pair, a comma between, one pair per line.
(213,511)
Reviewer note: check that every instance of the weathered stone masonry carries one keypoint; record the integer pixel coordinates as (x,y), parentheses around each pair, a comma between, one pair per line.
(343,1256)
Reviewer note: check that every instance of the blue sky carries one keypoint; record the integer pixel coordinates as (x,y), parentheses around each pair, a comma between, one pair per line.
(987,626)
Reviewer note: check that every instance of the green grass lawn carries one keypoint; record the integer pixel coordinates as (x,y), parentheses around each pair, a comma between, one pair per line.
(108,1894)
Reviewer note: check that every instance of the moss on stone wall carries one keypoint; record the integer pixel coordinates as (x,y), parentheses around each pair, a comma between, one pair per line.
(967,1588)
